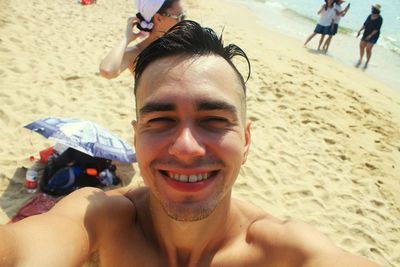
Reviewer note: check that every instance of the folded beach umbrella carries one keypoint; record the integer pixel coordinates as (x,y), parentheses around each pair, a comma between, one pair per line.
(84,136)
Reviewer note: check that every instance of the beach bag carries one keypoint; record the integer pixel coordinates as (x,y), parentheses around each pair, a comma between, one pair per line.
(65,178)
(73,170)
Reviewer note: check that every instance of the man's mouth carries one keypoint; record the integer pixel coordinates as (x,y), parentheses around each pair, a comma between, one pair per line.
(189,177)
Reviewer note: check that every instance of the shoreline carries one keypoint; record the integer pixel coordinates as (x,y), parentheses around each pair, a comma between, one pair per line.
(344,47)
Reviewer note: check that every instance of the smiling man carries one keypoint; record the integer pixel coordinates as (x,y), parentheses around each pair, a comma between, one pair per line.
(191,138)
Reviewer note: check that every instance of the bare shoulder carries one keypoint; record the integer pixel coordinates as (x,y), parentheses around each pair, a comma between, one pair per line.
(301,244)
(293,242)
(86,203)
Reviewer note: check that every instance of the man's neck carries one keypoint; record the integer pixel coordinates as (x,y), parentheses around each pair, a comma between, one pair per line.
(185,243)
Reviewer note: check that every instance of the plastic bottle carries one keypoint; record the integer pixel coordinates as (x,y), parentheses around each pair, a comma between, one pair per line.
(32,176)
(31,180)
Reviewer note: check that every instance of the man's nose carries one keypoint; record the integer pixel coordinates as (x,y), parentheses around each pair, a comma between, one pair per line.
(187,146)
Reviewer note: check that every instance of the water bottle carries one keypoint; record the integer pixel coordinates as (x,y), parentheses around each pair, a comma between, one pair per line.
(31,180)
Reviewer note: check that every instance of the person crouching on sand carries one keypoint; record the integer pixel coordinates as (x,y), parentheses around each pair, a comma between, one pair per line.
(372,29)
(154,17)
(323,27)
(339,13)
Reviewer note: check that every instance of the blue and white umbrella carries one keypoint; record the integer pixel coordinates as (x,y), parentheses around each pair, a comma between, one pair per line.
(84,136)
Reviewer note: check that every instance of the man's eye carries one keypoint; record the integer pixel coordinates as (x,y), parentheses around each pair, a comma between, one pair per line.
(162,120)
(215,122)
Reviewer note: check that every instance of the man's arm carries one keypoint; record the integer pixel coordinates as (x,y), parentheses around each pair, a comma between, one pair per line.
(304,246)
(319,250)
(64,236)
(8,253)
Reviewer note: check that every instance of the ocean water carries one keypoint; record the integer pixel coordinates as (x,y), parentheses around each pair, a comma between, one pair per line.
(297,18)
(352,22)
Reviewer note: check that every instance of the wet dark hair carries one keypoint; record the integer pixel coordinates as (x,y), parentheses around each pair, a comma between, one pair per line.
(167,4)
(188,38)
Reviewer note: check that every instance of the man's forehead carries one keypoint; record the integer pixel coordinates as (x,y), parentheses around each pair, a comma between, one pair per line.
(179,74)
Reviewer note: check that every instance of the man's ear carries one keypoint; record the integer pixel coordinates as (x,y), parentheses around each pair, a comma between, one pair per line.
(134,125)
(247,139)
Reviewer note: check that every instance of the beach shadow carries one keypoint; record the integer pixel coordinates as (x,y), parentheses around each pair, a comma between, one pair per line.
(316,52)
(15,195)
(125,172)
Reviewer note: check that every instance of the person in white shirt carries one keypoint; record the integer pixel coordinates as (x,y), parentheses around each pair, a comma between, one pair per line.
(327,13)
(339,13)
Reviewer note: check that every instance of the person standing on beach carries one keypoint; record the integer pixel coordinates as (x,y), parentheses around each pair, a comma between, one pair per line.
(191,136)
(327,12)
(155,18)
(372,29)
(339,13)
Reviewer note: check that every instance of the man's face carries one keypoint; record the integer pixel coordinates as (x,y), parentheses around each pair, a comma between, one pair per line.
(190,137)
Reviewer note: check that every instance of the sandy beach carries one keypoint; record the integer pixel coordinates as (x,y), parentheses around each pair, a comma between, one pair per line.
(325,136)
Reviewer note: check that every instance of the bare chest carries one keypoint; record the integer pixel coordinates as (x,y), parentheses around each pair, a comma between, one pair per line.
(132,252)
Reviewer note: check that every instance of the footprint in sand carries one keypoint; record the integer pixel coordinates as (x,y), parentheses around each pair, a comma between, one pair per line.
(15,40)
(5,50)
(377,203)
(254,118)
(280,129)
(329,141)
(370,166)
(306,85)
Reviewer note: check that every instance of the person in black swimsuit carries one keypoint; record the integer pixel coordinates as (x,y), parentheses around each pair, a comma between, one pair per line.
(371,28)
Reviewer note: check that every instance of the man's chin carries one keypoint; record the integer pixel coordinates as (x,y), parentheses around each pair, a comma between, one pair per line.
(189,212)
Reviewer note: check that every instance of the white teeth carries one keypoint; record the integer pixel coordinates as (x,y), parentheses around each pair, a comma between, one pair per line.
(183,178)
(193,178)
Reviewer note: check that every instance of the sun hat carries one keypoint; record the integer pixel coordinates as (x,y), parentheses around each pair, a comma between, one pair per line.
(377,6)
(146,10)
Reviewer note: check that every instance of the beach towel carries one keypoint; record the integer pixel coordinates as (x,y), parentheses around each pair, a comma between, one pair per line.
(37,205)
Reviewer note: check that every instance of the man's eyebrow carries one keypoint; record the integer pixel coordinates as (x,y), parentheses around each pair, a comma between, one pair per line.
(216,105)
(156,107)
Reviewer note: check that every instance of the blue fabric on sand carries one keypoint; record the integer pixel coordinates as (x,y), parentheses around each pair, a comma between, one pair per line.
(65,177)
